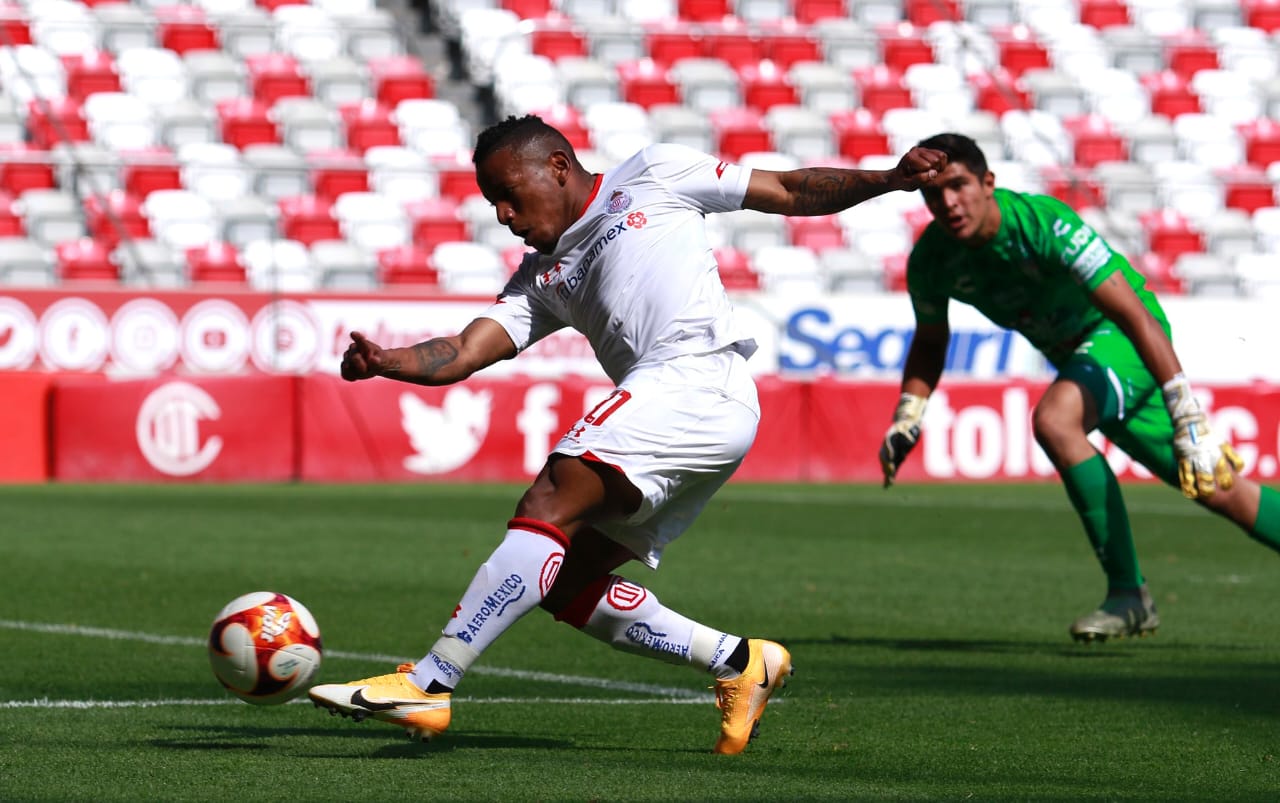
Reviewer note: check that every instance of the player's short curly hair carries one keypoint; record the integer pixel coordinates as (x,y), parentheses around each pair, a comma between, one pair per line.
(959,148)
(517,133)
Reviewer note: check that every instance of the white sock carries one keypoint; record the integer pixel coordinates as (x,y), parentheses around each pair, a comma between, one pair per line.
(629,617)
(511,583)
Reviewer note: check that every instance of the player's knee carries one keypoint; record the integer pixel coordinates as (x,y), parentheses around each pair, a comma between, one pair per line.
(1051,431)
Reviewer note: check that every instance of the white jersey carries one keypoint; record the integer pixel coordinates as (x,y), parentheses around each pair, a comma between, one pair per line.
(635,273)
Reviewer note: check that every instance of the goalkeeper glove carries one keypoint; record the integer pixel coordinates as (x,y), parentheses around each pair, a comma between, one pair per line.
(1205,461)
(902,435)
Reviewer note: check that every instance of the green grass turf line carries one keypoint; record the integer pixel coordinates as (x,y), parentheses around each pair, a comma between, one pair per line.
(928,625)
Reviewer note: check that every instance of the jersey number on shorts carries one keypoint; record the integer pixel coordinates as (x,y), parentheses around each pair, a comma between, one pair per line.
(607,407)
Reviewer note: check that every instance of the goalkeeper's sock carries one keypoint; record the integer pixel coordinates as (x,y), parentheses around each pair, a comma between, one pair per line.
(508,585)
(628,617)
(1266,527)
(1095,494)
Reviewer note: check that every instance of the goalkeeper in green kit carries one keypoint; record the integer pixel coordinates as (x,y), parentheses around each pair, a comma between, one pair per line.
(1030,264)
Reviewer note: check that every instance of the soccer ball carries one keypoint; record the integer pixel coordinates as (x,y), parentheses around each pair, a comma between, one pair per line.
(264,647)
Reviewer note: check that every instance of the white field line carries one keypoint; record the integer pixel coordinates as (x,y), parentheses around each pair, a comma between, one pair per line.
(667,694)
(46,704)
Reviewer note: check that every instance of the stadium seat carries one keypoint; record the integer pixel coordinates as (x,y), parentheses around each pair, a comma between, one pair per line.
(368,123)
(13,124)
(815,233)
(435,220)
(906,127)
(336,172)
(308,124)
(556,37)
(339,265)
(469,268)
(1207,140)
(370,34)
(748,230)
(903,44)
(1261,14)
(877,228)
(822,87)
(400,173)
(184,29)
(1228,95)
(618,129)
(307,33)
(1036,137)
(273,76)
(25,264)
(214,170)
(881,88)
(670,41)
(457,177)
(1207,275)
(245,219)
(24,168)
(10,217)
(732,41)
(1261,142)
(371,221)
(246,32)
(279,266)
(181,219)
(114,217)
(1103,13)
(999,91)
(407,265)
(30,71)
(53,120)
(991,14)
(1056,92)
(307,219)
(1171,94)
(1190,189)
(215,76)
(15,26)
(1094,140)
(846,43)
(246,121)
(763,85)
(1127,187)
(1133,49)
(735,270)
(800,132)
(926,12)
(84,260)
(121,121)
(787,43)
(613,39)
(50,216)
(183,122)
(859,133)
(1228,232)
(1159,273)
(337,81)
(1170,234)
(787,270)
(707,84)
(847,270)
(152,74)
(568,121)
(62,26)
(703,10)
(1074,186)
(148,263)
(1188,52)
(646,83)
(940,89)
(1247,51)
(393,79)
(1258,275)
(215,262)
(739,131)
(433,127)
(807,12)
(585,81)
(85,168)
(682,126)
(124,26)
(89,72)
(1246,188)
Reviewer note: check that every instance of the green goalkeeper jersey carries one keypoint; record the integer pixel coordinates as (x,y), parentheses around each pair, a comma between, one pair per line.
(1033,277)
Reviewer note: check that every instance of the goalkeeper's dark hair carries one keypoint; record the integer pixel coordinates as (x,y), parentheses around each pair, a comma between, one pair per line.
(959,148)
(518,133)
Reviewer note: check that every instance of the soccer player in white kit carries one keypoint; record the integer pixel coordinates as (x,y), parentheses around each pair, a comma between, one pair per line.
(622,257)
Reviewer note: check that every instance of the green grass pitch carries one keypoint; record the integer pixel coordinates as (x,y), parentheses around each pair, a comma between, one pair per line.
(928,626)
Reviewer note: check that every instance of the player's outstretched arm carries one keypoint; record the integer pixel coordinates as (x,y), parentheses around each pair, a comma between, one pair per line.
(920,376)
(439,361)
(812,191)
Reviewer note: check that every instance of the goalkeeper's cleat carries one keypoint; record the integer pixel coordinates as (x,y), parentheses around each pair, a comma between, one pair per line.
(742,700)
(1130,612)
(390,698)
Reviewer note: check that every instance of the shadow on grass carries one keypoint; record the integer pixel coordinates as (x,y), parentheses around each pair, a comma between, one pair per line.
(201,739)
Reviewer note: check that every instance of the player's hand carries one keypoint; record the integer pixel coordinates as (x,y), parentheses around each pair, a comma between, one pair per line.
(1205,461)
(362,359)
(918,167)
(902,435)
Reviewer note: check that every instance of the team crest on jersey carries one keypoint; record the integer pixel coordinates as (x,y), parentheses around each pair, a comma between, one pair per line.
(548,277)
(620,201)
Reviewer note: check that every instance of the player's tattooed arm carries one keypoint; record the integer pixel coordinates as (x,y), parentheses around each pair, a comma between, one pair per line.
(438,361)
(812,191)
(424,364)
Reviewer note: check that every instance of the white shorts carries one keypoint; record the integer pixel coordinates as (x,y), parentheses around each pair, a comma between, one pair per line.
(677,430)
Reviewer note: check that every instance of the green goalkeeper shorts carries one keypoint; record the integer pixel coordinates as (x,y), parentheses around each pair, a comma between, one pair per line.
(1131,410)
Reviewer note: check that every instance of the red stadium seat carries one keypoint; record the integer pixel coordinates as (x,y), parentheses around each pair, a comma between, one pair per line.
(54,120)
(738,131)
(308,219)
(457,179)
(185,28)
(786,42)
(114,217)
(918,219)
(10,220)
(407,265)
(1000,91)
(927,12)
(1264,14)
(215,262)
(895,273)
(736,272)
(23,168)
(645,83)
(1188,52)
(1076,187)
(731,41)
(528,9)
(84,260)
(1094,140)
(1169,234)
(668,41)
(15,26)
(808,12)
(556,37)
(1246,187)
(369,124)
(1020,49)
(881,88)
(89,72)
(337,171)
(150,169)
(858,133)
(1261,141)
(397,78)
(1170,94)
(903,44)
(1158,270)
(816,233)
(275,75)
(1104,13)
(703,10)
(245,121)
(764,85)
(435,220)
